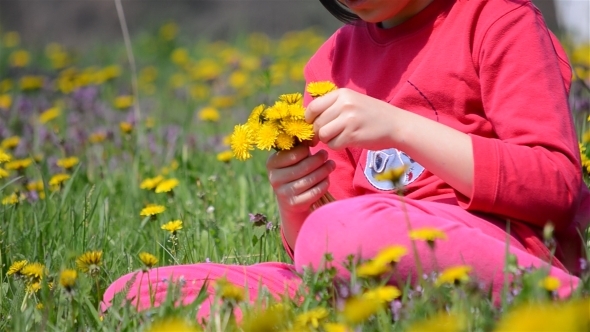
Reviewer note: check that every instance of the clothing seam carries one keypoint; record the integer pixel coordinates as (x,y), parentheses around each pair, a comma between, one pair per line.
(485,35)
(425,98)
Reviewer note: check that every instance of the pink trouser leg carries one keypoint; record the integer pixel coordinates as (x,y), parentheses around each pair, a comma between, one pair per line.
(150,289)
(366,224)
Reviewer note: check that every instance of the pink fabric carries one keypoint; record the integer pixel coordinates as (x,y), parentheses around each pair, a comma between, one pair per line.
(490,69)
(366,224)
(150,289)
(361,226)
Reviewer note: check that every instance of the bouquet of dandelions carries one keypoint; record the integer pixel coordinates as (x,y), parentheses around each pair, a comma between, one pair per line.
(280,126)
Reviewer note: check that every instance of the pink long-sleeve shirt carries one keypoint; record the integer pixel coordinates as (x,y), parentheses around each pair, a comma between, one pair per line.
(490,69)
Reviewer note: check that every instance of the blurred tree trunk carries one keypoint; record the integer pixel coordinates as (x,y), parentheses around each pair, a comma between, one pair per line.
(547,7)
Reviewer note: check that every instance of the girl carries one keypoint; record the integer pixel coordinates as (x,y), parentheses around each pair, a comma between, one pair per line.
(471,98)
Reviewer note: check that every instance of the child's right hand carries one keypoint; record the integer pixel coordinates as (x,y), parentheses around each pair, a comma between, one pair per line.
(298,178)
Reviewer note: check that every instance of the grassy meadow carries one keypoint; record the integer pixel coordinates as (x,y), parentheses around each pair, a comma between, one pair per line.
(108,168)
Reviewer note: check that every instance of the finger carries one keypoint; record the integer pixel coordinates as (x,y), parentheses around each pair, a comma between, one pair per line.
(312,195)
(299,186)
(332,129)
(312,142)
(282,159)
(281,176)
(319,105)
(326,117)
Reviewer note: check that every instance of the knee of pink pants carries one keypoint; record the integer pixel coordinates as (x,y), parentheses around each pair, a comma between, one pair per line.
(362,226)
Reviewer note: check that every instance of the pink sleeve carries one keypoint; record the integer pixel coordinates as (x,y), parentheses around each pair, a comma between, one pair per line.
(531,170)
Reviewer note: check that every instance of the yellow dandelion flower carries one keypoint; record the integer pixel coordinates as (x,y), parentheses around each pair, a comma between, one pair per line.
(90,262)
(39,306)
(11,199)
(152,210)
(241,142)
(359,309)
(5,101)
(550,283)
(383,294)
(318,89)
(123,102)
(151,183)
(209,113)
(277,112)
(11,39)
(266,136)
(229,291)
(391,254)
(443,321)
(372,269)
(266,319)
(148,259)
(3,173)
(223,101)
(297,112)
(429,234)
(172,226)
(573,315)
(6,85)
(19,58)
(336,327)
(35,186)
(284,141)
(18,164)
(110,72)
(68,163)
(176,324)
(257,115)
(167,185)
(179,56)
(4,157)
(59,179)
(10,142)
(49,114)
(168,31)
(16,268)
(67,278)
(453,275)
(291,98)
(125,127)
(97,137)
(238,79)
(33,287)
(298,128)
(393,174)
(311,318)
(31,82)
(225,156)
(33,271)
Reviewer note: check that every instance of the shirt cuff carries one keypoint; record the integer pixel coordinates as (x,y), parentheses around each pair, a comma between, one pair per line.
(486,176)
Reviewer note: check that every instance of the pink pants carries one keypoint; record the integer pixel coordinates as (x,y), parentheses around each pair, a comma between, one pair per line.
(360,226)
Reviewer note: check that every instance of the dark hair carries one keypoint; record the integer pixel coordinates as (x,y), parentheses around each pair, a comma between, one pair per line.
(339,11)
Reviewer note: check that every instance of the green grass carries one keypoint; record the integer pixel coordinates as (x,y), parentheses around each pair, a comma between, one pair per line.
(99,207)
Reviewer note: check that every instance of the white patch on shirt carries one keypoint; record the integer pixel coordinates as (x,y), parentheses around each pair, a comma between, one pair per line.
(380,161)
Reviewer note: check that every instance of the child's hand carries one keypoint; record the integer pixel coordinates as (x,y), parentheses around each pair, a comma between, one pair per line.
(345,118)
(298,178)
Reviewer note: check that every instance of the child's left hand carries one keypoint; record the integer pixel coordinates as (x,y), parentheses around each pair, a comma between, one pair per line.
(344,118)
